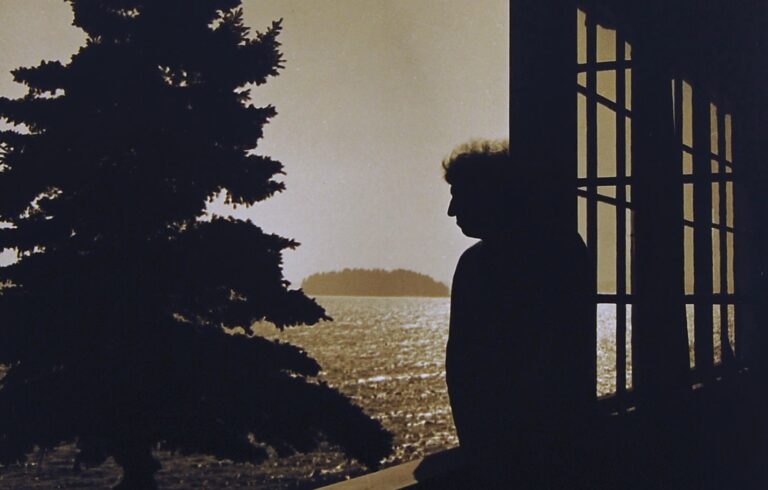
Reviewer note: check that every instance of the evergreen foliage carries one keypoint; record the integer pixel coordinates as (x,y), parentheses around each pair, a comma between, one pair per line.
(373,282)
(114,318)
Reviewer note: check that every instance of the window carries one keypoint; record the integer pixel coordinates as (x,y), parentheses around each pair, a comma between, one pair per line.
(704,131)
(604,190)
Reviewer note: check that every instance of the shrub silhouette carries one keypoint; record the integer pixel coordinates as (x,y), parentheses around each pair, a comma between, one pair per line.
(113,318)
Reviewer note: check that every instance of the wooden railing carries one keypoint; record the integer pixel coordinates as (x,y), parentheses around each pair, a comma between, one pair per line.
(407,474)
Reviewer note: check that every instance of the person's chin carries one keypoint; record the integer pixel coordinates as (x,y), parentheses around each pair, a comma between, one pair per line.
(469,231)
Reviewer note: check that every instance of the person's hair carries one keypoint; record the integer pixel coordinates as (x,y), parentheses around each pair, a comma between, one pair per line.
(487,170)
(478,159)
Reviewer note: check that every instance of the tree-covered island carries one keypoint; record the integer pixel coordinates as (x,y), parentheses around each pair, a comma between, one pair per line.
(373,282)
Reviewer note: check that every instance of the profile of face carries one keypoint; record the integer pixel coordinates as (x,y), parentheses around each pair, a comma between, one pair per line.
(476,211)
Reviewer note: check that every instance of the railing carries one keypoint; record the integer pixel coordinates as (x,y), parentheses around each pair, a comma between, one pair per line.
(407,474)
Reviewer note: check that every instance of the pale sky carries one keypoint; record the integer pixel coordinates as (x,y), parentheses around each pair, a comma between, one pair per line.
(375,93)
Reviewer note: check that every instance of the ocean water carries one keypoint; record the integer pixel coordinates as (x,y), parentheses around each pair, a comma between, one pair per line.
(385,353)
(388,355)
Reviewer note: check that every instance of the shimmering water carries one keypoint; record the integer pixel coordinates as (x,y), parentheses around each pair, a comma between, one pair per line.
(388,354)
(606,342)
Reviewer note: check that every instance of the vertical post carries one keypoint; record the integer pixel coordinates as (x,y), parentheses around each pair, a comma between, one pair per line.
(659,334)
(543,98)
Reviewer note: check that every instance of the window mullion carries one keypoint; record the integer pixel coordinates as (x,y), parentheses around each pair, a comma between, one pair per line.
(621,272)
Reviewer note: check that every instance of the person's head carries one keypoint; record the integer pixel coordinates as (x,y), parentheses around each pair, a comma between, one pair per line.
(490,194)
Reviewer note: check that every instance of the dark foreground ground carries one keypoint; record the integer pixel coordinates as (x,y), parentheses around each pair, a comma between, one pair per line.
(716,439)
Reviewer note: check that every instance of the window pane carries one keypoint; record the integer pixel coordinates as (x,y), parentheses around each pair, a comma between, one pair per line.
(628,348)
(606,248)
(606,84)
(715,261)
(627,51)
(715,166)
(716,333)
(689,271)
(715,203)
(732,325)
(713,128)
(688,202)
(606,349)
(606,44)
(731,284)
(606,142)
(687,163)
(728,134)
(729,204)
(628,88)
(688,238)
(581,134)
(690,320)
(581,37)
(628,249)
(581,79)
(628,146)
(607,191)
(687,114)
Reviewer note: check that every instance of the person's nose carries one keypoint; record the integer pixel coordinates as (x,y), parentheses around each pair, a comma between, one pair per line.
(451,210)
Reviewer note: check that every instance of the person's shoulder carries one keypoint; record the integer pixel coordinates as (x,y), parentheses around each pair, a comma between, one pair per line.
(470,259)
(473,253)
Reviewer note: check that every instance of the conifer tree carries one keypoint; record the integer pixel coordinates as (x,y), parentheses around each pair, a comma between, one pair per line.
(116,318)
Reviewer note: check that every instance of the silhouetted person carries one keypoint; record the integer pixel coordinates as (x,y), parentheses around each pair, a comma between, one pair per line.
(521,352)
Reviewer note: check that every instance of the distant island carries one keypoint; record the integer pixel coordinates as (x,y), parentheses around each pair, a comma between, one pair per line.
(373,282)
